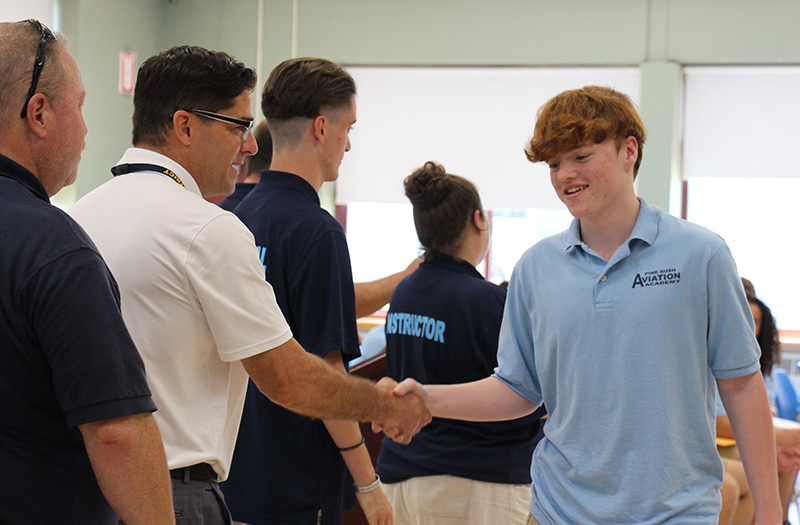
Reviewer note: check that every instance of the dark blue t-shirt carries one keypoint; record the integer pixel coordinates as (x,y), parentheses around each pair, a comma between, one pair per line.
(286,466)
(239,193)
(442,328)
(66,358)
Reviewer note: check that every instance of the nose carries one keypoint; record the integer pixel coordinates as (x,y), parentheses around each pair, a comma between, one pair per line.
(567,173)
(347,145)
(250,146)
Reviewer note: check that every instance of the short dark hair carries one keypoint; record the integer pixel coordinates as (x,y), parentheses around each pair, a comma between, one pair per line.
(589,114)
(263,158)
(184,77)
(443,207)
(302,87)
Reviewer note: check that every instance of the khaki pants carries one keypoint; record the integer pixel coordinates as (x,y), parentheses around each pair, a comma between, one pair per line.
(450,500)
(532,520)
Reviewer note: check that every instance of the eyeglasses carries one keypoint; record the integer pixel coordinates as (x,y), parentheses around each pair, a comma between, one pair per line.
(242,123)
(44,35)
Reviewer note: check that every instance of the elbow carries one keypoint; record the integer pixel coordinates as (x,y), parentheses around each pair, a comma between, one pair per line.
(281,389)
(281,393)
(120,433)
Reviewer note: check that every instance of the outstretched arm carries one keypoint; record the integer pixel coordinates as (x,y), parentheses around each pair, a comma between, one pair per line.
(372,296)
(745,401)
(487,399)
(128,459)
(304,383)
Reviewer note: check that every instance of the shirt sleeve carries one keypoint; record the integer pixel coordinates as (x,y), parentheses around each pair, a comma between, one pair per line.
(732,347)
(323,297)
(73,306)
(516,365)
(228,278)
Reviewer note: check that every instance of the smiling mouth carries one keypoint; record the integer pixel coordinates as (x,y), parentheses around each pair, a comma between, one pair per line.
(576,189)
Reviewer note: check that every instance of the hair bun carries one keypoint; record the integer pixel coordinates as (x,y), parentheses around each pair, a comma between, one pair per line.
(427,186)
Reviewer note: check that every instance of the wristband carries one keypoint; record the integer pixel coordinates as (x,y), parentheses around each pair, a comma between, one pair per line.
(369,488)
(345,449)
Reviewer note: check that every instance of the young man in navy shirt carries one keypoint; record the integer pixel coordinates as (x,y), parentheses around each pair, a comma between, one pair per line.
(623,326)
(310,108)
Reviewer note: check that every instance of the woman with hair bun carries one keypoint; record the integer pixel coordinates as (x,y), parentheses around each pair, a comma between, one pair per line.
(442,327)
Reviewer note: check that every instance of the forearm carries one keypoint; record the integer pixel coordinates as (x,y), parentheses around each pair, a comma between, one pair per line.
(372,296)
(301,382)
(373,503)
(128,459)
(305,384)
(487,399)
(746,403)
(346,434)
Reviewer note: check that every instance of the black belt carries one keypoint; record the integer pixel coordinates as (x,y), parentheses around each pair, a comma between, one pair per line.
(199,472)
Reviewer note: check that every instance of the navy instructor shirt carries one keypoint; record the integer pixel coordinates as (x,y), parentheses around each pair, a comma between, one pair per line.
(286,467)
(443,327)
(66,358)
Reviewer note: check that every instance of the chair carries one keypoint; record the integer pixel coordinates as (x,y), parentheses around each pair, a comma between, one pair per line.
(785,395)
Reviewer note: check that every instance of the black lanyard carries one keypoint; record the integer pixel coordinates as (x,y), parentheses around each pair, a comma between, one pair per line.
(122,169)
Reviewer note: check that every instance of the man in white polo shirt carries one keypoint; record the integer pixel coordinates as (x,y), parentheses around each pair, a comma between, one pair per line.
(193,289)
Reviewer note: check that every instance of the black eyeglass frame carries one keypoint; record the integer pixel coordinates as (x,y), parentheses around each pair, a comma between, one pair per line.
(245,123)
(45,34)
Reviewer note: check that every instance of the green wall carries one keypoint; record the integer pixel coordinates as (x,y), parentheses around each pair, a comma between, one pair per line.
(659,35)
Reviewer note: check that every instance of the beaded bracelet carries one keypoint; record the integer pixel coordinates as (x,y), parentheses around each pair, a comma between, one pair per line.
(369,488)
(345,449)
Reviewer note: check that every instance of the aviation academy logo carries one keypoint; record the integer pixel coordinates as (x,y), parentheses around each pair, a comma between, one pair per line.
(657,278)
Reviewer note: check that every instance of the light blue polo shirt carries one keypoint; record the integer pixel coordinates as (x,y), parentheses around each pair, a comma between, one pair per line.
(622,353)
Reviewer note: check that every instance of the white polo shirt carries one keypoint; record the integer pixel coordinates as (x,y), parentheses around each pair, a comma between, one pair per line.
(194,298)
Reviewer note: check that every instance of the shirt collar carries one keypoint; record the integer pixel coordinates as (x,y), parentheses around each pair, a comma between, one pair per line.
(645,229)
(284,180)
(146,156)
(451,263)
(19,173)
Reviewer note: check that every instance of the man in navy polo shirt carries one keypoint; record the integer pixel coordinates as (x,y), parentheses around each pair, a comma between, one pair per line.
(623,326)
(78,442)
(309,106)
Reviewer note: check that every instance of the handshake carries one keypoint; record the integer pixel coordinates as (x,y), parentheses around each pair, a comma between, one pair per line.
(403,409)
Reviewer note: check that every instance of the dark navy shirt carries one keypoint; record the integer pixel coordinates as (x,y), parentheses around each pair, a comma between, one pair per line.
(286,466)
(240,192)
(442,328)
(66,358)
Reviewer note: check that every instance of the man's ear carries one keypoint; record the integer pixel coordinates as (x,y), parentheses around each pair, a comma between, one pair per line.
(39,116)
(319,126)
(182,127)
(631,146)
